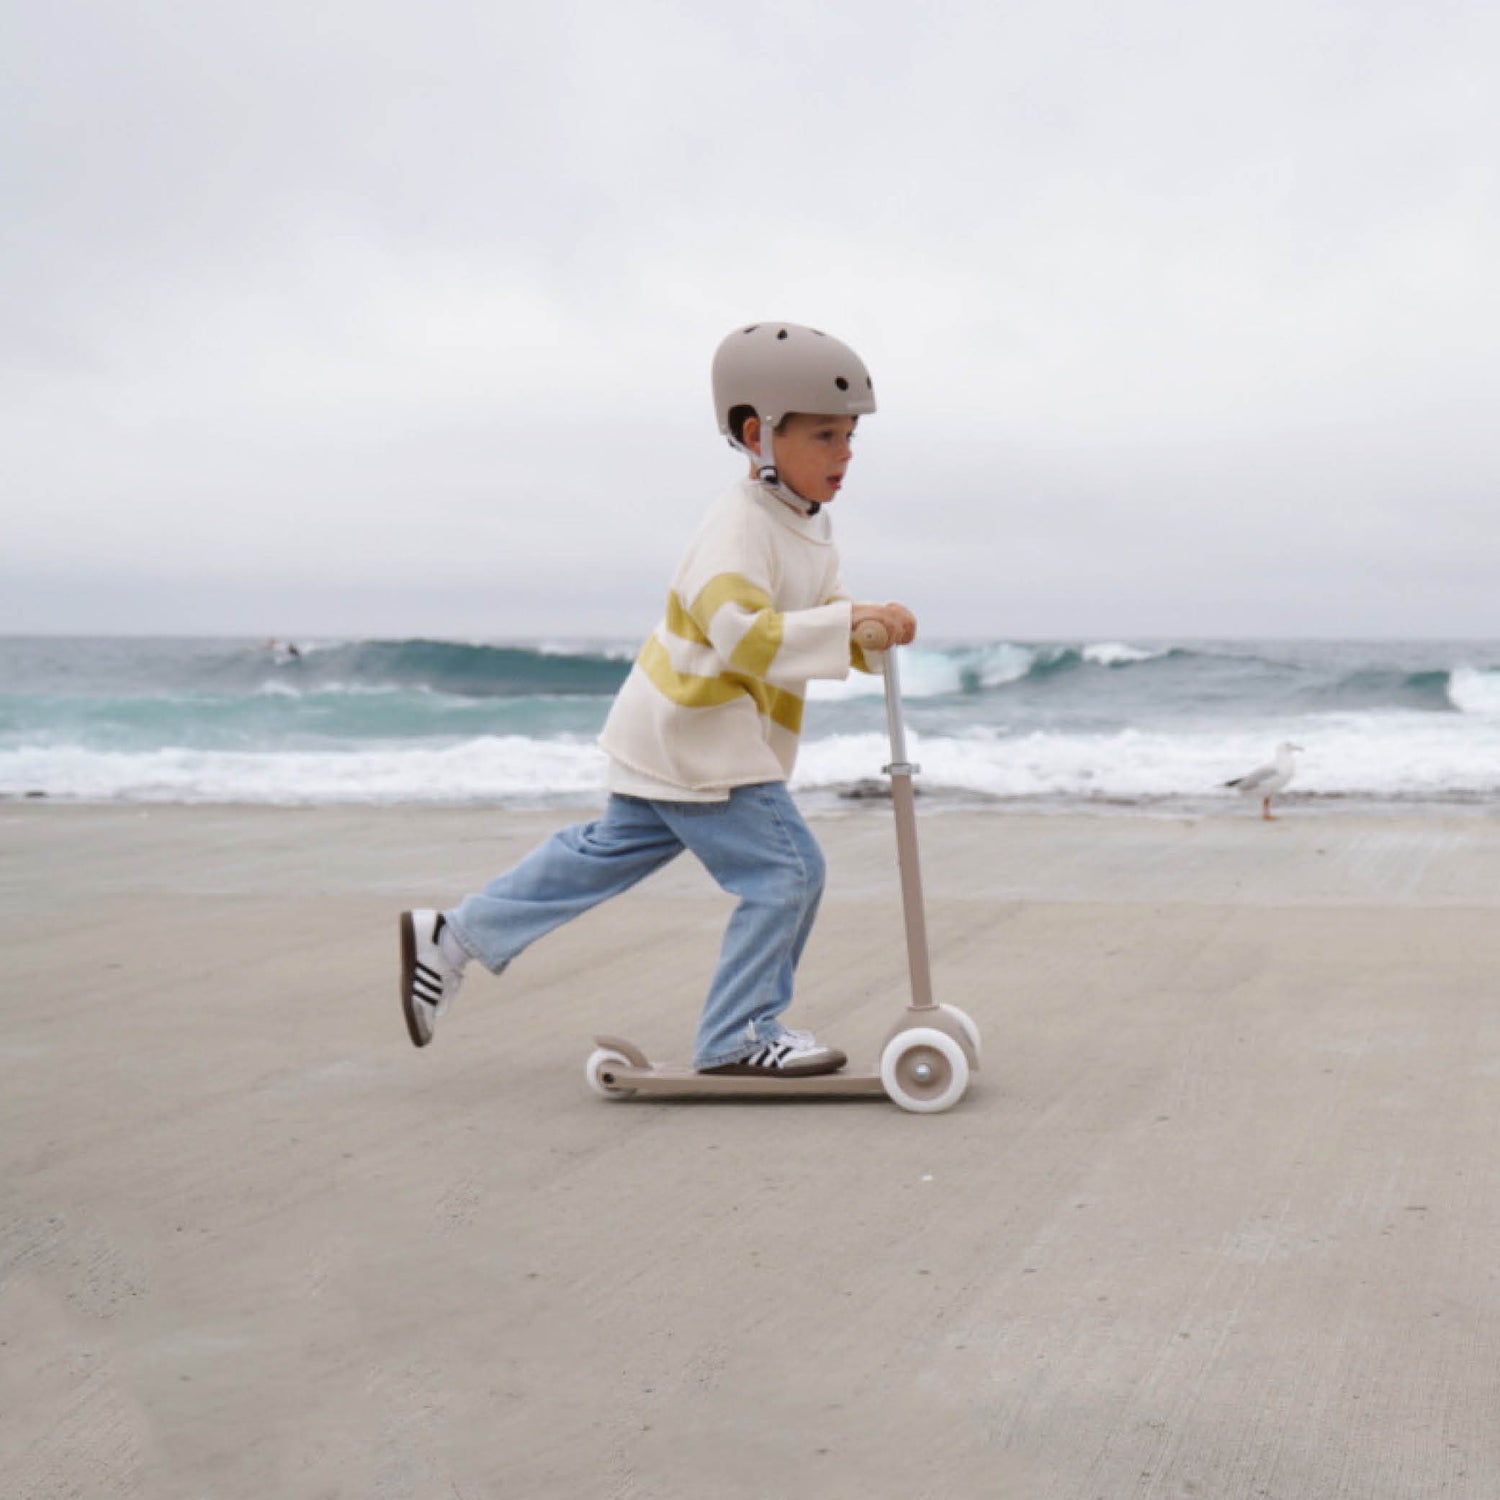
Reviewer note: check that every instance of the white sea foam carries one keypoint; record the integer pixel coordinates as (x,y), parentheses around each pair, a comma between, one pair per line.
(935,674)
(491,769)
(1003,662)
(1395,756)
(924,674)
(1473,691)
(1368,757)
(276,688)
(609,650)
(1117,654)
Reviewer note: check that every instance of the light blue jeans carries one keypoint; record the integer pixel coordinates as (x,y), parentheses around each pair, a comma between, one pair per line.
(755,845)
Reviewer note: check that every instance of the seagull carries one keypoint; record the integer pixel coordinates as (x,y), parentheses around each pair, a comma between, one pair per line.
(1265,781)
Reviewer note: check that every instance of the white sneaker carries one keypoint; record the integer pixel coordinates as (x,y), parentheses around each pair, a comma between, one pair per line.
(794,1054)
(428,980)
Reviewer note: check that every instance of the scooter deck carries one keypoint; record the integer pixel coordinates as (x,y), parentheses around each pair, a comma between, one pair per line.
(643,1077)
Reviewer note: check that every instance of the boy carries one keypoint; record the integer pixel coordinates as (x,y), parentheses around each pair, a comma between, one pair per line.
(702,736)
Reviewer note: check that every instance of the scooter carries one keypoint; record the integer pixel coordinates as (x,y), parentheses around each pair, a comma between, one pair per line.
(927,1057)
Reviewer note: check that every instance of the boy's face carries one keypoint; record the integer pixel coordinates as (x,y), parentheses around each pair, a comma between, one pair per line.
(813,452)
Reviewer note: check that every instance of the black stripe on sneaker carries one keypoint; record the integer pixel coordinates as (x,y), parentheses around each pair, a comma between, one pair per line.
(773,1055)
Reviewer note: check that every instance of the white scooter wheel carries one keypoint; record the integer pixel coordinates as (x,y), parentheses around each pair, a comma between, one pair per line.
(924,1070)
(603,1061)
(966,1023)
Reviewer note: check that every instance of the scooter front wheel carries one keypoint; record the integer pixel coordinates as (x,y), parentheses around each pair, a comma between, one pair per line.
(924,1070)
(966,1025)
(602,1063)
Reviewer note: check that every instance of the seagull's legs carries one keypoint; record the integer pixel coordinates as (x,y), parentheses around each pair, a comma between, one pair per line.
(1265,810)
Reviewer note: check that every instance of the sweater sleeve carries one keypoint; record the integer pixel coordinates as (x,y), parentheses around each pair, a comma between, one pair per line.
(733,613)
(860,659)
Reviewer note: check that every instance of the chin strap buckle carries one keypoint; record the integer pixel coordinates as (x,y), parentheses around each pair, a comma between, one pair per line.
(766,473)
(765,467)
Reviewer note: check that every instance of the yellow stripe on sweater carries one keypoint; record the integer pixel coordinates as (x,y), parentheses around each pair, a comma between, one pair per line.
(727,588)
(692,691)
(757,648)
(681,623)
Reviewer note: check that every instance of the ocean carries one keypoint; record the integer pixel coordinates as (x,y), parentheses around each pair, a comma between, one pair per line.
(1154,726)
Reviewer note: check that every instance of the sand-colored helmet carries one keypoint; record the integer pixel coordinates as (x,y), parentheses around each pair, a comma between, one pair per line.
(784,367)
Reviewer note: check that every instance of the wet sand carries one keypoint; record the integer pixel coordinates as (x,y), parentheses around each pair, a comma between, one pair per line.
(1217,1218)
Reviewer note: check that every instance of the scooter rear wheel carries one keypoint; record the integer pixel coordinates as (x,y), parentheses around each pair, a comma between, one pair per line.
(924,1070)
(601,1064)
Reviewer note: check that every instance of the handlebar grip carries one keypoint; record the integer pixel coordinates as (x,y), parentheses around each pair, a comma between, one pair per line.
(871,635)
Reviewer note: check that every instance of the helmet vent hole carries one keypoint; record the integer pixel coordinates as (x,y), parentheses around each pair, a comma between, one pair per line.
(841,383)
(782,334)
(751,328)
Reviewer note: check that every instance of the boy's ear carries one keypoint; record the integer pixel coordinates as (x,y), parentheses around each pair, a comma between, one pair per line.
(750,434)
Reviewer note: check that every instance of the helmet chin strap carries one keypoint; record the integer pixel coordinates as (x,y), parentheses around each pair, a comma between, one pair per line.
(766,474)
(766,462)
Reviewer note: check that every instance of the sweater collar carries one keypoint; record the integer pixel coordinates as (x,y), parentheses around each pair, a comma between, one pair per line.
(813,523)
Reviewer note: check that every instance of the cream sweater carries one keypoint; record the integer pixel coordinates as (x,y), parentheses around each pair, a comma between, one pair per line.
(714,700)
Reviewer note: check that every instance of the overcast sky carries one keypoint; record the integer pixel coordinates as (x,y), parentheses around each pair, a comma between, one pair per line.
(396,318)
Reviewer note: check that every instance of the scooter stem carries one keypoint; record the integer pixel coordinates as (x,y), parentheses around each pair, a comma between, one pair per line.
(903,801)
